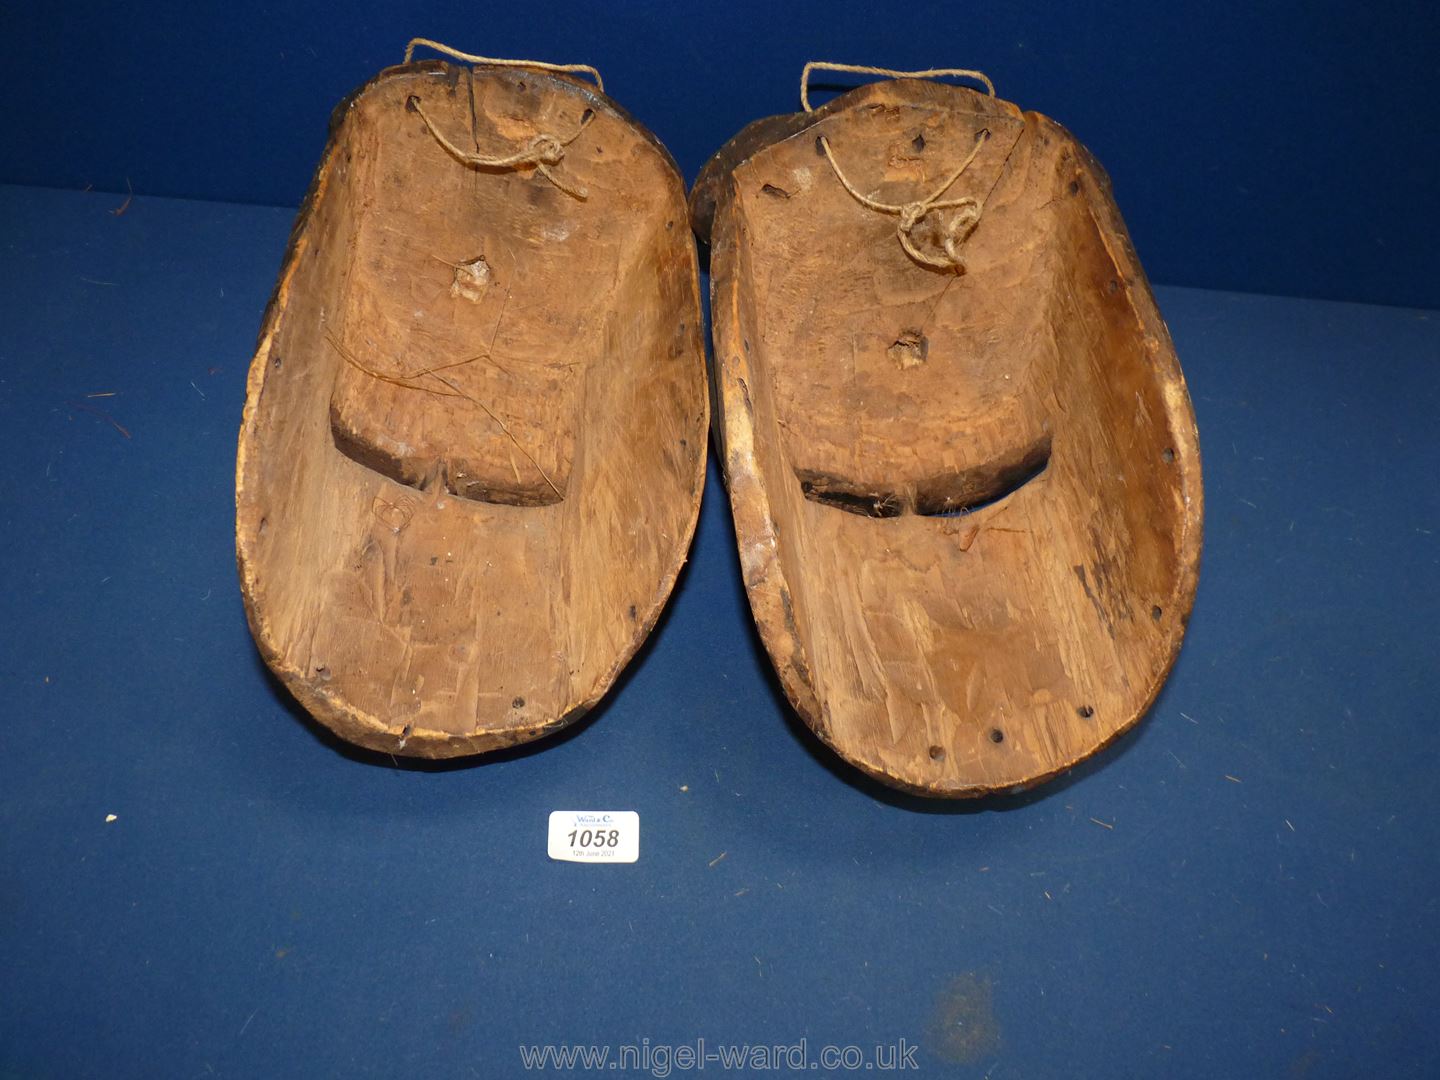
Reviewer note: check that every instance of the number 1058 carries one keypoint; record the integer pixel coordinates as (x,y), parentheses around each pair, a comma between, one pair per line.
(594,838)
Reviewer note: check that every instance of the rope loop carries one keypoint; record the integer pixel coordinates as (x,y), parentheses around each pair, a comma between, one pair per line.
(967,210)
(544,151)
(955,231)
(861,69)
(539,65)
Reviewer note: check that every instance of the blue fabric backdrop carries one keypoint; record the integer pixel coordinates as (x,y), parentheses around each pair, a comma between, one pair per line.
(1268,147)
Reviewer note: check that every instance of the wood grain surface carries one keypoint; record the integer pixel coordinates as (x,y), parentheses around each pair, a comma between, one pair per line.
(967,502)
(474,440)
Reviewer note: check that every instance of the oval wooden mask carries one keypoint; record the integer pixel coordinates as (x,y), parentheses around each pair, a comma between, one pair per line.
(474,439)
(967,498)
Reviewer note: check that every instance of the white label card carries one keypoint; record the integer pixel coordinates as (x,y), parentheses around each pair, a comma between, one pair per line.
(594,836)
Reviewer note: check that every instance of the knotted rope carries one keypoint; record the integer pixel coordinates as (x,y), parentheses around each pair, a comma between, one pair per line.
(544,151)
(967,209)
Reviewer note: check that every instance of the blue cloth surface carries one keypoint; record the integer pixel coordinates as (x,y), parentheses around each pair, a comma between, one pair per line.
(1245,886)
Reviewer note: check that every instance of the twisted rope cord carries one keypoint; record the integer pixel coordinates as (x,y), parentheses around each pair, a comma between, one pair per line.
(544,151)
(968,209)
(861,69)
(440,47)
(961,225)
